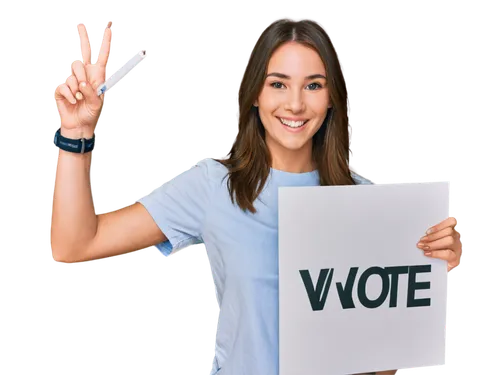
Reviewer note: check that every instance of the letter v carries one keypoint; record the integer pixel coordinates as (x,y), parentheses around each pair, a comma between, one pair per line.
(345,294)
(317,302)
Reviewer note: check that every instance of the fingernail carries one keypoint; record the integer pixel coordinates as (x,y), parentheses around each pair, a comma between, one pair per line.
(428,253)
(430,230)
(83,84)
(79,95)
(424,238)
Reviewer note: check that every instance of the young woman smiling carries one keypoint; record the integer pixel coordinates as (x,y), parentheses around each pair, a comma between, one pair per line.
(293,131)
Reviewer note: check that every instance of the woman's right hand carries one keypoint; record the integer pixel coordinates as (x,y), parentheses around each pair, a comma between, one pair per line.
(79,113)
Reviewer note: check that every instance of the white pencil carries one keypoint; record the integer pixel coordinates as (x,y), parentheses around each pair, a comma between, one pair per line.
(111,81)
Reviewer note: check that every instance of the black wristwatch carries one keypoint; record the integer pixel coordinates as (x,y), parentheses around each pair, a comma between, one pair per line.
(81,146)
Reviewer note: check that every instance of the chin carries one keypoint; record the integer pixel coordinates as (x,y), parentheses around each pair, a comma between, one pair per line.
(293,146)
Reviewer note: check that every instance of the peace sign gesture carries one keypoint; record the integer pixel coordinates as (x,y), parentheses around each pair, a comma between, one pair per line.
(79,113)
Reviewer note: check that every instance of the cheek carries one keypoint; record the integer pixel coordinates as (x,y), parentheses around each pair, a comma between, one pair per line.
(267,108)
(265,116)
(319,104)
(269,103)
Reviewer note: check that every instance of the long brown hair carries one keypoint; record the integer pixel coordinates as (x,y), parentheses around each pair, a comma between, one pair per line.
(249,160)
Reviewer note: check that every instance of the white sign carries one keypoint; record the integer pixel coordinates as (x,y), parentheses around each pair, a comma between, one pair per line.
(355,293)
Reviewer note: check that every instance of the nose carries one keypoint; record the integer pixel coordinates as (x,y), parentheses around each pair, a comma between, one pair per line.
(294,101)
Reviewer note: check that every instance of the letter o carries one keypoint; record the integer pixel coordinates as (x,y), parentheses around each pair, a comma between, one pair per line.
(365,301)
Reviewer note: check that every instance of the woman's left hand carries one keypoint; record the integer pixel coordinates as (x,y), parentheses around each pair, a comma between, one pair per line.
(443,241)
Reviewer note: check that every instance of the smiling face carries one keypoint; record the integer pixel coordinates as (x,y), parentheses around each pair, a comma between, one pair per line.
(294,89)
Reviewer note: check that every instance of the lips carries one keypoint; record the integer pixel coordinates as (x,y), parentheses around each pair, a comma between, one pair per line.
(297,123)
(294,130)
(289,119)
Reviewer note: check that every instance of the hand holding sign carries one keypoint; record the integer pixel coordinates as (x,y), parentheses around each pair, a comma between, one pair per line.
(443,241)
(386,306)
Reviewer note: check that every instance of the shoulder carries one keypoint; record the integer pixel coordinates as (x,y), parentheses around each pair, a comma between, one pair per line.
(212,168)
(208,170)
(360,180)
(208,167)
(200,175)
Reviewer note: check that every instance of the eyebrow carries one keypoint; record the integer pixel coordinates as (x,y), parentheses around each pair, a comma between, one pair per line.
(284,76)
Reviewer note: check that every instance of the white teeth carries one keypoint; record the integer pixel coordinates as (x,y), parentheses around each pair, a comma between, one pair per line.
(292,124)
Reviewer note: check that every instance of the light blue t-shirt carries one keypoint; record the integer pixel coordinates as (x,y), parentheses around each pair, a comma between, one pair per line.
(195,207)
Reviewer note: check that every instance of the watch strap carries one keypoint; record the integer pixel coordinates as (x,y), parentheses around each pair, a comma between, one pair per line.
(81,145)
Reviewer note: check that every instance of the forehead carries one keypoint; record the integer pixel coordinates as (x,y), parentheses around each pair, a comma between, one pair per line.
(295,59)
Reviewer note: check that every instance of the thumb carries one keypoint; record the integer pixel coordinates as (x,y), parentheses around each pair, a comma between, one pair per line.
(89,93)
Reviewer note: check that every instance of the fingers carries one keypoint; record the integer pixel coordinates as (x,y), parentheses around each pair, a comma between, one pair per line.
(78,71)
(84,43)
(443,243)
(84,90)
(72,83)
(64,92)
(449,222)
(102,60)
(448,231)
(447,255)
(89,94)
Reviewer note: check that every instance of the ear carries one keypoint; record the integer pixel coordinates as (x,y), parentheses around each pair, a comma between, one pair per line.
(256,104)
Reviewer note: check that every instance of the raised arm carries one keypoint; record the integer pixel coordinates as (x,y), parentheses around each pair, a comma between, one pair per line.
(77,233)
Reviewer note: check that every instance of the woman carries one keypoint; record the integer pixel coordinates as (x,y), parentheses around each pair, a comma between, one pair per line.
(293,131)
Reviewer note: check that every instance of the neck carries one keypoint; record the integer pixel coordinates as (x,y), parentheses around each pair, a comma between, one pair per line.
(293,161)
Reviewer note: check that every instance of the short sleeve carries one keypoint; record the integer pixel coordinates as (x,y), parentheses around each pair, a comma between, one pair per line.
(179,206)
